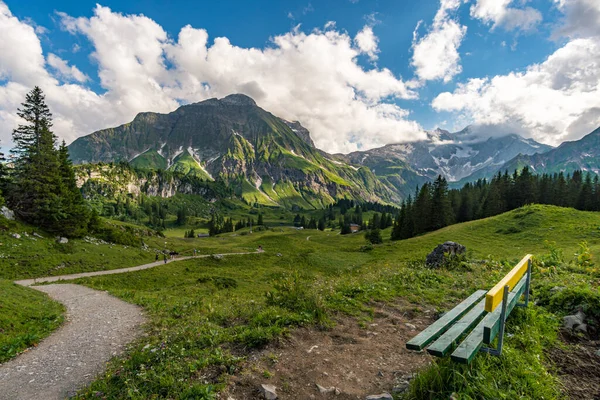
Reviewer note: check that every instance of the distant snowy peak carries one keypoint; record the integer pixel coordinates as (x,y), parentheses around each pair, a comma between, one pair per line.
(454,155)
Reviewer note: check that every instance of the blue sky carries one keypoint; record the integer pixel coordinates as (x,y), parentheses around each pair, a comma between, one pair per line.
(491,63)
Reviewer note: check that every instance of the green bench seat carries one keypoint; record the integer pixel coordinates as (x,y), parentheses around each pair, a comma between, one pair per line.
(480,317)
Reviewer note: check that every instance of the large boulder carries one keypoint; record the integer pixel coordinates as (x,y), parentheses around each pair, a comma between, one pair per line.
(575,322)
(440,255)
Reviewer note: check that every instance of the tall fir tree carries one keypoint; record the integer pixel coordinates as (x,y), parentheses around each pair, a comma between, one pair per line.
(38,119)
(76,213)
(3,178)
(422,209)
(43,190)
(441,209)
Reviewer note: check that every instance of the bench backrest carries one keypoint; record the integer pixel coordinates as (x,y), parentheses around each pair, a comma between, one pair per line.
(493,298)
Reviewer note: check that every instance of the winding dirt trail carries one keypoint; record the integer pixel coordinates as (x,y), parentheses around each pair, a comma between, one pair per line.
(98,326)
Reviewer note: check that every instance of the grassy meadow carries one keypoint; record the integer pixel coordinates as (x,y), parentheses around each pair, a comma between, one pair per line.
(207,314)
(26,317)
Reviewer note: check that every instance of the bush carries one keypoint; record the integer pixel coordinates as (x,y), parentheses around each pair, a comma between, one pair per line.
(373,236)
(112,234)
(569,300)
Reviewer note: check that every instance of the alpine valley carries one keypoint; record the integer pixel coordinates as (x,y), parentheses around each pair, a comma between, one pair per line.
(267,160)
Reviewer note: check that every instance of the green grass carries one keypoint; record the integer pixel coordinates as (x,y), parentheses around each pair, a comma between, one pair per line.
(149,160)
(185,164)
(206,314)
(26,317)
(32,257)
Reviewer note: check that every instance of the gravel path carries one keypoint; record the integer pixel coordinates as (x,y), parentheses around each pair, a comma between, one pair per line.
(29,282)
(98,326)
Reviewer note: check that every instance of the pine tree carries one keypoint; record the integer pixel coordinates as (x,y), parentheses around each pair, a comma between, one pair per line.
(422,210)
(36,189)
(399,223)
(39,119)
(76,215)
(441,209)
(375,222)
(3,174)
(181,216)
(260,220)
(585,198)
(321,224)
(38,184)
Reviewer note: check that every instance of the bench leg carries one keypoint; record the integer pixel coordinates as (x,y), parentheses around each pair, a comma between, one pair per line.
(498,350)
(527,286)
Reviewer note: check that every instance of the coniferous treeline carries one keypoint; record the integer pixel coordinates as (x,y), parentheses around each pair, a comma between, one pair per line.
(40,186)
(346,205)
(434,206)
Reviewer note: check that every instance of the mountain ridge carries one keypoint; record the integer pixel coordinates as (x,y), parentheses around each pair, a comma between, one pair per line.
(272,161)
(267,159)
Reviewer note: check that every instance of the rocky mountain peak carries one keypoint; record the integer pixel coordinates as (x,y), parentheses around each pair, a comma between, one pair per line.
(238,99)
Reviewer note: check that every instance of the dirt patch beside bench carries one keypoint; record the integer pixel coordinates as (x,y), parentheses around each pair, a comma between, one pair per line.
(356,358)
(578,367)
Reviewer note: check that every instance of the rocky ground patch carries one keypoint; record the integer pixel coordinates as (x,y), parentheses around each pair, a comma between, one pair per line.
(353,360)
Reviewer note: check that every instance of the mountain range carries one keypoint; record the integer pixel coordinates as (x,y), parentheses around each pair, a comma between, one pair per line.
(268,160)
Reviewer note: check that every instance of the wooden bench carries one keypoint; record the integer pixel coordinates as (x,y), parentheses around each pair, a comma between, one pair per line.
(482,313)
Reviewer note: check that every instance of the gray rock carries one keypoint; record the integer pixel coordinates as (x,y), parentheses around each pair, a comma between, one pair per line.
(581,328)
(269,392)
(16,236)
(325,390)
(411,326)
(402,384)
(573,321)
(437,258)
(63,240)
(598,352)
(7,213)
(37,235)
(382,396)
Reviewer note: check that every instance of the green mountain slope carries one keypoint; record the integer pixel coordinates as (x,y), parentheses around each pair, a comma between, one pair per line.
(582,154)
(185,164)
(237,142)
(149,160)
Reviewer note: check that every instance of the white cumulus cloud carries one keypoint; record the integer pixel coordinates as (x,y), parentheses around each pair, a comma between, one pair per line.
(311,77)
(66,71)
(498,13)
(367,42)
(435,55)
(581,18)
(556,100)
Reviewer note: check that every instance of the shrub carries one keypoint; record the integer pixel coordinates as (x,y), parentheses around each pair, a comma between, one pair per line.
(584,256)
(373,236)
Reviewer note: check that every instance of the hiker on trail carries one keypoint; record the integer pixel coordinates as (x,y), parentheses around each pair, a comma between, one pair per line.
(260,249)
(156,258)
(165,257)
(194,252)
